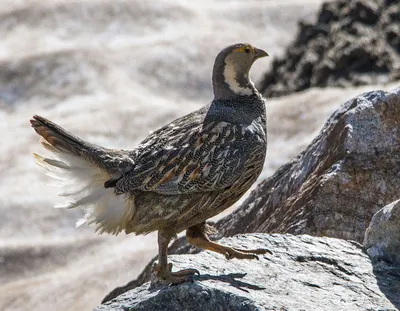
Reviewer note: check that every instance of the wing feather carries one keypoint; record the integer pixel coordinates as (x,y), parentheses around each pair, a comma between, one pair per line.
(206,158)
(195,153)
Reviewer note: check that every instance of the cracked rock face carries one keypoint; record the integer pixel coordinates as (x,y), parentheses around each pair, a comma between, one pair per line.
(335,186)
(353,42)
(382,238)
(304,273)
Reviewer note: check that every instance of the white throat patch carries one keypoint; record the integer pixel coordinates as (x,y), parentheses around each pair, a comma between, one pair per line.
(230,79)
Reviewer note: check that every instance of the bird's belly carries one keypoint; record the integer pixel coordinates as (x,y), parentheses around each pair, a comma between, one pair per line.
(161,212)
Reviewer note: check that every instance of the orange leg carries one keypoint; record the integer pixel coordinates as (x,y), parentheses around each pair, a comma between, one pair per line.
(196,236)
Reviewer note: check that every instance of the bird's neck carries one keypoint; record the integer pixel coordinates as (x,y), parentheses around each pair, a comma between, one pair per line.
(227,82)
(242,109)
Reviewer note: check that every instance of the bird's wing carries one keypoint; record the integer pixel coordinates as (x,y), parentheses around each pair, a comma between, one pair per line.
(179,160)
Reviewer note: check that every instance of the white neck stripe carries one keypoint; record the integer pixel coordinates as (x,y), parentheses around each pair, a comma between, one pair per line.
(230,80)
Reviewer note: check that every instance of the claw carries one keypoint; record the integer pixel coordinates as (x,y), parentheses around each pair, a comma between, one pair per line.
(167,277)
(262,251)
(231,252)
(185,272)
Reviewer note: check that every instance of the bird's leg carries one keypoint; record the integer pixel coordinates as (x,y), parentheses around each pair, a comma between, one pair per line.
(197,237)
(163,269)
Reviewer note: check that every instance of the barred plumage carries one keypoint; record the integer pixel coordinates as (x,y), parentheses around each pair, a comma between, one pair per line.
(179,176)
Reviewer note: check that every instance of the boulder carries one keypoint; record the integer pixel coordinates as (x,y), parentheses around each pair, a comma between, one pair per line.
(304,273)
(335,186)
(352,42)
(382,238)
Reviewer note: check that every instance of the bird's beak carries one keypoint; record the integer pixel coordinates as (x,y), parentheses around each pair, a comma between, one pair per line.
(259,53)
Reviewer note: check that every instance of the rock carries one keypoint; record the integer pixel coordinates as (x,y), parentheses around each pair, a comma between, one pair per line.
(333,188)
(304,273)
(352,43)
(382,238)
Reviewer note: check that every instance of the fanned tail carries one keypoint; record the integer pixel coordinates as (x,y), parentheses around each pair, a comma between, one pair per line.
(56,138)
(78,168)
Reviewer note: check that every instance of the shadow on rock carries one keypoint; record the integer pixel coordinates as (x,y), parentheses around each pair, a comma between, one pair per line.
(231,279)
(388,280)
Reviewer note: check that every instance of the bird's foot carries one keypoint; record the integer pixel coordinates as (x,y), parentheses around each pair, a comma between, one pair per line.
(162,276)
(232,252)
(197,236)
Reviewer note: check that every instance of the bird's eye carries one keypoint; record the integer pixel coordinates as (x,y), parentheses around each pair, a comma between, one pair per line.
(247,50)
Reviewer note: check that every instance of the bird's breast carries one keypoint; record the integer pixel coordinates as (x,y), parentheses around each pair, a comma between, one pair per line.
(255,131)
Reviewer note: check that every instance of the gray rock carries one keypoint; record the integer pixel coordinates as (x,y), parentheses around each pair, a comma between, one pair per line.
(382,238)
(304,273)
(335,186)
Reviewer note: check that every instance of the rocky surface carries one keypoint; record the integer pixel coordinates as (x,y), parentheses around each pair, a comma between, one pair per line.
(352,43)
(304,273)
(382,238)
(333,188)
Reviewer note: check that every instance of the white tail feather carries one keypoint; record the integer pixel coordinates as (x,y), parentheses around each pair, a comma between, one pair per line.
(83,185)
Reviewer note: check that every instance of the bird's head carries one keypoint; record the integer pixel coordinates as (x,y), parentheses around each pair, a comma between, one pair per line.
(231,70)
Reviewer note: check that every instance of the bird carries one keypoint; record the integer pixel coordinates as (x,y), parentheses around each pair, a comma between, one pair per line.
(182,174)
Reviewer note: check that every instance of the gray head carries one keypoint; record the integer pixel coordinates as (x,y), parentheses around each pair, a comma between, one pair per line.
(231,70)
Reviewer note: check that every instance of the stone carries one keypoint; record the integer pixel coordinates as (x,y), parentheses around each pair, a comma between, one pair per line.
(382,238)
(335,186)
(304,273)
(353,42)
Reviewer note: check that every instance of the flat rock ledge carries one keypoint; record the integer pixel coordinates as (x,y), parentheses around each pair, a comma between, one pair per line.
(304,273)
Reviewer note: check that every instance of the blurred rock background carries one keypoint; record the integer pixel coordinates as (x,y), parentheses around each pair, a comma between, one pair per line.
(111,71)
